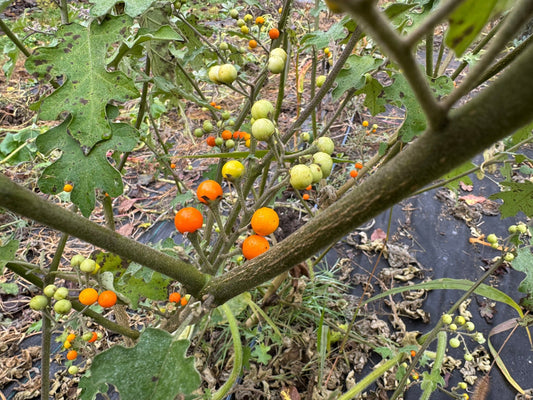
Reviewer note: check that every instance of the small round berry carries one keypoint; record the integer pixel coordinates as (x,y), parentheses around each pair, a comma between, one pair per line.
(462,385)
(460,320)
(365,123)
(492,238)
(447,319)
(468,357)
(512,229)
(73,370)
(72,355)
(453,327)
(522,228)
(470,326)
(508,257)
(454,342)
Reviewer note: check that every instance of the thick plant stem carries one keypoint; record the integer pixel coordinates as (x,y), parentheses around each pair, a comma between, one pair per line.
(63,8)
(28,204)
(372,376)
(9,33)
(494,113)
(238,354)
(46,343)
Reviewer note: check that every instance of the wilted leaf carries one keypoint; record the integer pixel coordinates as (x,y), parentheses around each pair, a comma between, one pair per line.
(80,57)
(155,369)
(472,199)
(378,234)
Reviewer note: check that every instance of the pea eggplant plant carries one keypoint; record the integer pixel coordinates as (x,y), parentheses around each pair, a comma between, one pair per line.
(159,55)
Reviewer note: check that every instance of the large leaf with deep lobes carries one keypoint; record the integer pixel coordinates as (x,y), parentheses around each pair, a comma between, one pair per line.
(80,58)
(133,8)
(155,369)
(86,172)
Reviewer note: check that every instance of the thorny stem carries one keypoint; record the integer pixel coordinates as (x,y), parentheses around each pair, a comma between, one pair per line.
(442,342)
(63,8)
(108,212)
(429,54)
(520,14)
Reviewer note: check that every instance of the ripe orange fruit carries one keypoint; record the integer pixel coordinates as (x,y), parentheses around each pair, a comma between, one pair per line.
(260,20)
(305,196)
(72,355)
(354,173)
(253,246)
(184,301)
(68,188)
(93,338)
(71,337)
(365,123)
(265,221)
(107,299)
(213,104)
(208,191)
(358,165)
(226,135)
(172,165)
(188,219)
(273,33)
(174,297)
(252,43)
(210,141)
(88,296)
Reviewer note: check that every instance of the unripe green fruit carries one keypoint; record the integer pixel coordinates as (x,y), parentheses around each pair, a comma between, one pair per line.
(492,238)
(447,319)
(219,141)
(230,143)
(316,171)
(207,126)
(453,327)
(320,80)
(198,132)
(50,290)
(324,161)
(470,326)
(61,293)
(225,115)
(213,74)
(279,52)
(305,137)
(455,343)
(76,260)
(38,302)
(522,228)
(73,370)
(276,64)
(219,124)
(513,229)
(325,144)
(223,46)
(468,357)
(231,122)
(508,257)
(460,320)
(301,177)
(233,13)
(240,23)
(87,336)
(263,128)
(63,306)
(262,109)
(227,73)
(88,266)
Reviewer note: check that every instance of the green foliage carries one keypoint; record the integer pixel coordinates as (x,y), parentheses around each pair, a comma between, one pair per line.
(466,22)
(400,94)
(454,184)
(373,91)
(7,253)
(353,75)
(518,197)
(133,8)
(85,172)
(523,262)
(321,39)
(155,369)
(260,352)
(134,281)
(88,87)
(20,144)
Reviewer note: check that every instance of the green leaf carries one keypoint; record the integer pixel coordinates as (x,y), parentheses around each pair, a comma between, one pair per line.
(322,39)
(400,94)
(7,253)
(134,281)
(85,172)
(454,185)
(374,100)
(21,143)
(237,305)
(133,8)
(260,352)
(523,262)
(155,369)
(467,20)
(9,288)
(353,75)
(454,284)
(522,134)
(80,57)
(519,197)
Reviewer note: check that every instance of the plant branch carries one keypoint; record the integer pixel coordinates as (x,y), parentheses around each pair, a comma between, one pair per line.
(494,113)
(28,204)
(520,14)
(16,41)
(378,26)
